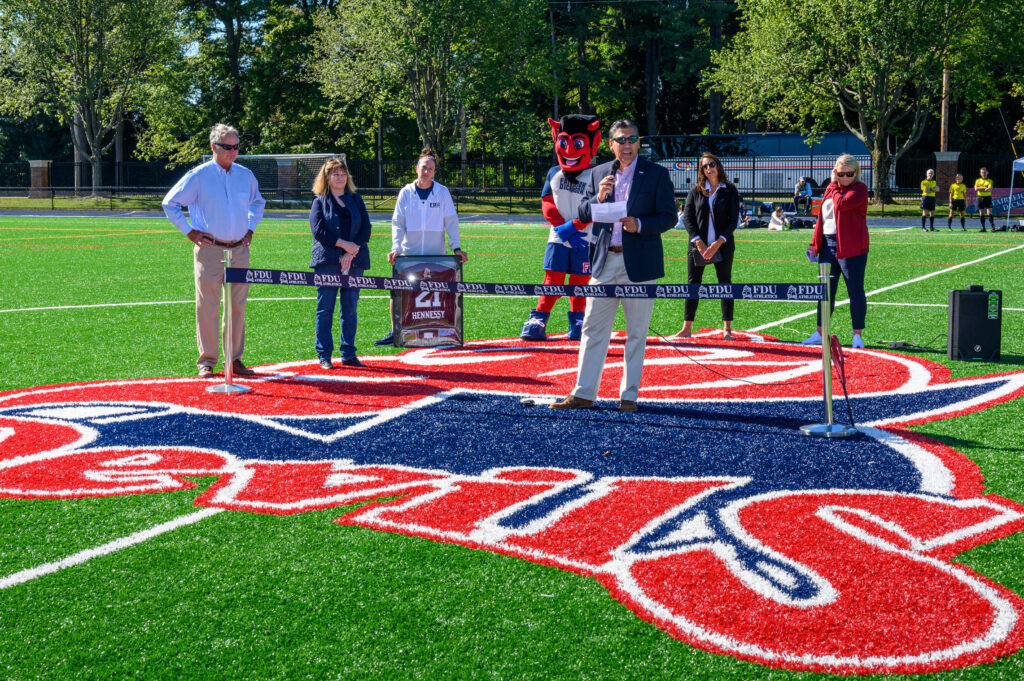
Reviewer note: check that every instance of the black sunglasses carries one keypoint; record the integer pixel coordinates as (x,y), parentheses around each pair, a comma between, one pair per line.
(710,164)
(849,174)
(632,139)
(227,147)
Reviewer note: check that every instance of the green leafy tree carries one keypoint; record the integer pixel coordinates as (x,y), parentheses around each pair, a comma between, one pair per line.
(876,65)
(204,82)
(83,60)
(428,59)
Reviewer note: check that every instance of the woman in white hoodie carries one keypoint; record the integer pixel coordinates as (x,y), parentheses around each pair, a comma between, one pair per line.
(424,214)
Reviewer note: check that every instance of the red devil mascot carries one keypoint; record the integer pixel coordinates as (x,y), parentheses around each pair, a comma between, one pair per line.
(577,138)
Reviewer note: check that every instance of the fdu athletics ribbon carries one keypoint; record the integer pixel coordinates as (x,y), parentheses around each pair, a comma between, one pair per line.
(795,292)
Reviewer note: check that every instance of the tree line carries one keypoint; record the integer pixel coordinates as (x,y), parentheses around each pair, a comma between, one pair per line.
(480,77)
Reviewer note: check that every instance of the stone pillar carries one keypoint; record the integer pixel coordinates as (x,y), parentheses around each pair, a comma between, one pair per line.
(946,167)
(39,179)
(287,179)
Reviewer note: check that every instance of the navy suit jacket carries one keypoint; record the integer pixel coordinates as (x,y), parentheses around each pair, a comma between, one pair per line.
(328,225)
(650,200)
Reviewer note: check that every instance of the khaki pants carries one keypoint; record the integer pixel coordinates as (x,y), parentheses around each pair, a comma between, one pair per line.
(597,330)
(209,277)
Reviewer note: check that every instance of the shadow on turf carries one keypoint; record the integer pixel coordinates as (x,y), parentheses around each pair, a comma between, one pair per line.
(961,444)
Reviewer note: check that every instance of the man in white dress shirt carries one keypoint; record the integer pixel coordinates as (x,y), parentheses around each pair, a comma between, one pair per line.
(224,207)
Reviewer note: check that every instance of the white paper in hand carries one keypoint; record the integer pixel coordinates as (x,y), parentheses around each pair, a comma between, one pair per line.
(608,212)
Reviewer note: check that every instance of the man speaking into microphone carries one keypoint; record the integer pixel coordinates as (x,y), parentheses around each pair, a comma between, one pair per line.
(630,203)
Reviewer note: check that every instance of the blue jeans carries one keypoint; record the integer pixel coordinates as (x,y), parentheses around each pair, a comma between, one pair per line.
(852,270)
(326,297)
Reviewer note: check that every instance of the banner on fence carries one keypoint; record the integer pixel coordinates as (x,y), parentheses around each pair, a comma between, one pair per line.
(1003,201)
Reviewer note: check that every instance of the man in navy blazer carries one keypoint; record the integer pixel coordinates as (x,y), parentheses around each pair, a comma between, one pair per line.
(625,252)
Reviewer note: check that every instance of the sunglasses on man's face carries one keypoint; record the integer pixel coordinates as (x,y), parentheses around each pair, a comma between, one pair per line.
(709,164)
(227,147)
(632,139)
(847,174)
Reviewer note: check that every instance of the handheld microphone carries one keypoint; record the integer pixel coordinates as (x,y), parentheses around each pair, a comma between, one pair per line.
(615,169)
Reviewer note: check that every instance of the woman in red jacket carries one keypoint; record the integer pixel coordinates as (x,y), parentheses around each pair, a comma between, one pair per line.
(841,239)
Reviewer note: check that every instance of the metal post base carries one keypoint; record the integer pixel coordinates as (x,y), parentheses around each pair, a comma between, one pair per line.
(230,388)
(838,430)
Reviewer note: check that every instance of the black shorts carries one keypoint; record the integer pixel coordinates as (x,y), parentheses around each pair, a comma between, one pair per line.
(984,203)
(927,203)
(957,205)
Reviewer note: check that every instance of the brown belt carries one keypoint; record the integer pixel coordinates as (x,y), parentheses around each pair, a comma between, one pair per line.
(227,244)
(615,249)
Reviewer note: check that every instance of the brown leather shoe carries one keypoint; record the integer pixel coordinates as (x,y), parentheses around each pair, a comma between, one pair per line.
(205,372)
(240,369)
(572,402)
(627,405)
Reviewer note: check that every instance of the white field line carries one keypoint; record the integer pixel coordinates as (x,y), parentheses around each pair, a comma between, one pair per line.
(874,302)
(104,549)
(888,288)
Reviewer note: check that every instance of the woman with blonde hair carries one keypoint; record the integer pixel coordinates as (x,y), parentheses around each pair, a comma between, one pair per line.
(841,239)
(341,230)
(710,215)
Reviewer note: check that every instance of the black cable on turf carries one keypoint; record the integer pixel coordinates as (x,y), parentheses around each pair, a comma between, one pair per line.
(675,346)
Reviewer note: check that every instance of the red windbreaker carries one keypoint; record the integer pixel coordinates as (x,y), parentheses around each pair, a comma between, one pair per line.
(851,211)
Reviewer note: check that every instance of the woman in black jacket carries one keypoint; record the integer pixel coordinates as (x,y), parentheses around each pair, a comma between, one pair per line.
(341,229)
(710,215)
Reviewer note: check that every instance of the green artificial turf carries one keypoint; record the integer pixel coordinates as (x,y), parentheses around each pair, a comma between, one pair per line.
(242,595)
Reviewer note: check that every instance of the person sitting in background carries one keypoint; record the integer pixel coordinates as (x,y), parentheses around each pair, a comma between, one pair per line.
(744,216)
(341,230)
(802,195)
(779,221)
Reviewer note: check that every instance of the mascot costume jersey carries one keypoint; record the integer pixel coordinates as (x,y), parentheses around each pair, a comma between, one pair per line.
(577,138)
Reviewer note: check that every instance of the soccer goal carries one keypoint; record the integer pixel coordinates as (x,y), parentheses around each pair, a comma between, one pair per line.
(284,177)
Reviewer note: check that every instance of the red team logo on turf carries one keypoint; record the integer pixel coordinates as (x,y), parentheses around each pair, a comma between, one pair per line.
(707,513)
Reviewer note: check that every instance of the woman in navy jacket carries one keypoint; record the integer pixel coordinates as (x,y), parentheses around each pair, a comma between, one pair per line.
(710,215)
(341,230)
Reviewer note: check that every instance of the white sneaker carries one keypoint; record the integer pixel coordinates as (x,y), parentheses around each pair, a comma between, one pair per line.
(856,342)
(814,339)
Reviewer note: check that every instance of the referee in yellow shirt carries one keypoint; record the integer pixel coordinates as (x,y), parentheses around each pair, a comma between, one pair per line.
(928,187)
(958,202)
(983,186)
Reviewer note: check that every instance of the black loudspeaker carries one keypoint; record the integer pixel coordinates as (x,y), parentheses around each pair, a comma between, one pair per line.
(975,324)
